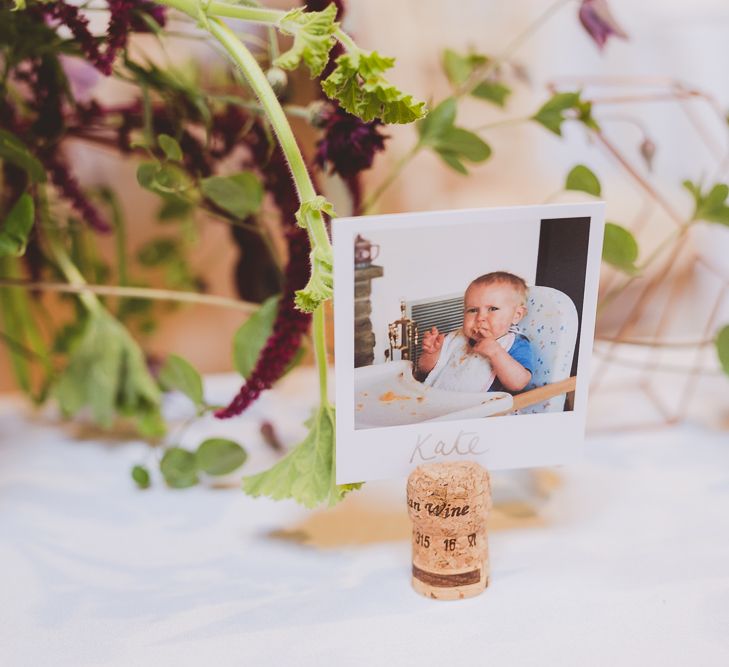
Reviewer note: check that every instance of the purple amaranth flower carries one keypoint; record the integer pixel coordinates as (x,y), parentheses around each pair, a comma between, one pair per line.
(156,12)
(597,19)
(349,145)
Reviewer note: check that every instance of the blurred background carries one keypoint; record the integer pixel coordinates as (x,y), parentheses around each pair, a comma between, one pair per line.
(660,97)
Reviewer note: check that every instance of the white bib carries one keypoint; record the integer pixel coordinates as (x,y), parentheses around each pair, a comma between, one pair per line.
(459,368)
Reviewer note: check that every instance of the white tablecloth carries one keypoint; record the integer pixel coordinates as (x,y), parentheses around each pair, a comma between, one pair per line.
(625,561)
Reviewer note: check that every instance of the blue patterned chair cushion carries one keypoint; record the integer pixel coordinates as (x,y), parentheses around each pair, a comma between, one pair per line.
(551,326)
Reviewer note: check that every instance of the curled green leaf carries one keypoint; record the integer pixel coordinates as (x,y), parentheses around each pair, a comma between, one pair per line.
(318,204)
(358,84)
(307,472)
(321,282)
(313,38)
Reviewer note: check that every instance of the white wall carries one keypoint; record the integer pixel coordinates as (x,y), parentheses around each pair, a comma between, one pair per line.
(437,261)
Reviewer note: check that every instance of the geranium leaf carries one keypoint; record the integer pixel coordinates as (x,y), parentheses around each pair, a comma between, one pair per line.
(620,249)
(219,456)
(306,473)
(313,38)
(178,373)
(358,83)
(240,194)
(321,282)
(252,335)
(16,227)
(582,179)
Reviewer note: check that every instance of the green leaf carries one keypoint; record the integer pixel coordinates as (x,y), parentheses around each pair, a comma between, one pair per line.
(159,251)
(108,373)
(584,180)
(711,206)
(170,147)
(722,348)
(554,112)
(178,373)
(16,227)
(459,68)
(179,468)
(452,144)
(252,335)
(620,249)
(306,473)
(492,91)
(463,143)
(140,475)
(163,179)
(358,83)
(219,456)
(174,208)
(438,121)
(313,38)
(240,194)
(13,150)
(321,282)
(308,209)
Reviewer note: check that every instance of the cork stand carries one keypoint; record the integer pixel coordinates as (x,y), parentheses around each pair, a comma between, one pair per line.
(448,504)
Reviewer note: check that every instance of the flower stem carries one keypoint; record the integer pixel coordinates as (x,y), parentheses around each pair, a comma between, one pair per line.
(320,350)
(131,292)
(391,178)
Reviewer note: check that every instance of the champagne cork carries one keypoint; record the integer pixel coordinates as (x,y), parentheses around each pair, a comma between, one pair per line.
(448,504)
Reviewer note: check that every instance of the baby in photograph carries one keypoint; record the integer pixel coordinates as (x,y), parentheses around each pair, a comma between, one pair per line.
(488,353)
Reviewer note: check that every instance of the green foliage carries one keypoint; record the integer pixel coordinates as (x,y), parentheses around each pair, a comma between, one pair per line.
(20,331)
(310,208)
(565,106)
(140,475)
(13,150)
(452,144)
(219,456)
(306,473)
(492,91)
(163,179)
(179,468)
(16,227)
(240,194)
(178,373)
(252,336)
(620,249)
(170,147)
(459,68)
(581,178)
(358,84)
(313,38)
(215,456)
(321,282)
(107,373)
(722,348)
(710,206)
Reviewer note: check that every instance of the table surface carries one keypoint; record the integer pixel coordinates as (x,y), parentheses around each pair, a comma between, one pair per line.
(620,559)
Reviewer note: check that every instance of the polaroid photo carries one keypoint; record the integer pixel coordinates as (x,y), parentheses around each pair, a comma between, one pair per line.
(464,335)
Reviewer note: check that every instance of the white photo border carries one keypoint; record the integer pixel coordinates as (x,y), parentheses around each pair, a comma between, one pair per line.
(500,442)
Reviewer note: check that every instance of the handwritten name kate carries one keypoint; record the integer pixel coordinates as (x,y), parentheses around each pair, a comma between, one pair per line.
(427,448)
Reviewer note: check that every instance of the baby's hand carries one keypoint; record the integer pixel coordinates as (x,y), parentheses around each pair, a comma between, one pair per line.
(486,344)
(433,341)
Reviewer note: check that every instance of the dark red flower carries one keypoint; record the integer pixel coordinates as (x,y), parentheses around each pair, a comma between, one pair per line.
(156,12)
(349,145)
(597,19)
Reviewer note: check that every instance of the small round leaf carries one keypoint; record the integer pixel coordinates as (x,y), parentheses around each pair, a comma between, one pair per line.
(179,468)
(722,347)
(141,476)
(219,456)
(584,180)
(619,248)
